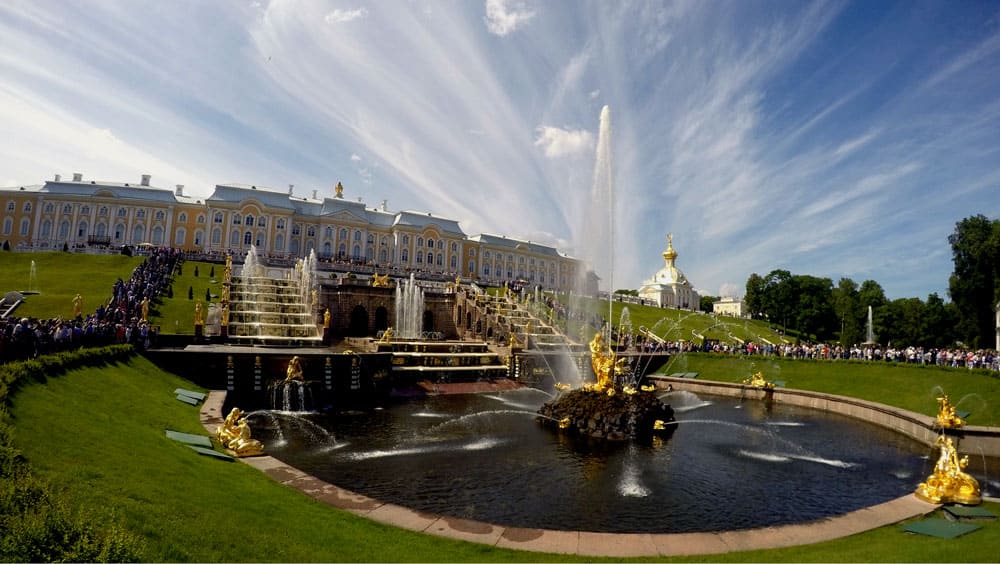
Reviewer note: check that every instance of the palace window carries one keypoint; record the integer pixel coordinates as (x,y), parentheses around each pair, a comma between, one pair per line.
(262,221)
(296,230)
(27,206)
(420,241)
(217,218)
(343,234)
(201,219)
(260,239)
(49,208)
(486,269)
(454,262)
(234,239)
(430,258)
(311,231)
(249,220)
(237,219)
(216,236)
(279,242)
(328,233)
(81,229)
(67,209)
(11,206)
(454,247)
(357,235)
(140,214)
(138,233)
(103,212)
(182,218)
(159,216)
(440,245)
(197,237)
(281,223)
(430,243)
(406,239)
(404,256)
(119,231)
(157,235)
(371,239)
(179,236)
(46,228)
(8,225)
(247,238)
(24,226)
(342,250)
(420,257)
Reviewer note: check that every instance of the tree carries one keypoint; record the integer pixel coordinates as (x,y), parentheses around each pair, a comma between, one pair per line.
(706,303)
(196,271)
(211,272)
(779,297)
(190,292)
(813,311)
(848,311)
(937,327)
(974,285)
(753,299)
(208,295)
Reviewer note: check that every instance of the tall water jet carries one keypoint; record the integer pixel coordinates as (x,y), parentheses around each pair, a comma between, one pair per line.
(869,332)
(251,265)
(32,279)
(409,309)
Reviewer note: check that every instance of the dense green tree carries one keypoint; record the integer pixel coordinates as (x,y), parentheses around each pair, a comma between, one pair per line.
(937,327)
(974,285)
(779,297)
(814,314)
(872,295)
(847,309)
(706,303)
(754,297)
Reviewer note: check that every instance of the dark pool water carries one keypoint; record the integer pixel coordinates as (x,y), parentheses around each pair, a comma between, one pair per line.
(730,464)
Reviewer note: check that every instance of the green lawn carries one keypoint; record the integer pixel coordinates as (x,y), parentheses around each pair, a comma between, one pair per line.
(176,314)
(59,277)
(97,434)
(909,386)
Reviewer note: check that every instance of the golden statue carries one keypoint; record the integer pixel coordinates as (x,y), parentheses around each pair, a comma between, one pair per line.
(198,318)
(294,371)
(77,305)
(326,319)
(386,335)
(339,190)
(947,418)
(234,434)
(224,319)
(604,362)
(758,381)
(380,281)
(145,309)
(948,483)
(228,274)
(313,297)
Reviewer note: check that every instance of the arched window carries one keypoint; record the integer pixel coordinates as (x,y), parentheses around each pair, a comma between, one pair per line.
(260,240)
(198,236)
(327,249)
(454,247)
(216,236)
(27,206)
(420,241)
(122,212)
(311,231)
(11,206)
(281,223)
(247,238)
(343,234)
(486,269)
(430,243)
(440,245)
(328,232)
(454,261)
(279,242)
(370,254)
(85,210)
(342,250)
(371,239)
(201,218)
(138,233)
(383,256)
(356,252)
(262,221)
(8,225)
(249,221)
(486,255)
(237,219)
(406,239)
(159,215)
(157,235)
(420,257)
(119,232)
(50,208)
(234,239)
(441,259)
(293,246)
(25,224)
(67,209)
(357,235)
(182,217)
(296,229)
(46,228)
(140,214)
(180,235)
(217,218)
(404,256)
(103,212)
(81,229)
(101,230)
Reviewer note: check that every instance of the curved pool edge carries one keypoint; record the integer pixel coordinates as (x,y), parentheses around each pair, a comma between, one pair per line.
(583,543)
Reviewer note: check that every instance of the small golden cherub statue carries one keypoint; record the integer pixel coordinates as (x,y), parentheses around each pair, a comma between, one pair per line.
(758,381)
(294,370)
(234,435)
(948,483)
(947,418)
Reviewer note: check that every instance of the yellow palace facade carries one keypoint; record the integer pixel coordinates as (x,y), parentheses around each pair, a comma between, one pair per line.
(82,214)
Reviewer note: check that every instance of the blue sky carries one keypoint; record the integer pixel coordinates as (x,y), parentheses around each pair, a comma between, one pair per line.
(830,138)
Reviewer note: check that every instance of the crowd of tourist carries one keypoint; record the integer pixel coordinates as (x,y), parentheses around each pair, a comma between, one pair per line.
(119,321)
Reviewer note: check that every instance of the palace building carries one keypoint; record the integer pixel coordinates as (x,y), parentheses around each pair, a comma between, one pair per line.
(80,213)
(669,287)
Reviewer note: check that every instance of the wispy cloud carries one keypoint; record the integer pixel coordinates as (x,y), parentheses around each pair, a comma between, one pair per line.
(505,16)
(557,142)
(344,16)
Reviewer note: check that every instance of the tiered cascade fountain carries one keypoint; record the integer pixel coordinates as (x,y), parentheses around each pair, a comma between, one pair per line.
(272,311)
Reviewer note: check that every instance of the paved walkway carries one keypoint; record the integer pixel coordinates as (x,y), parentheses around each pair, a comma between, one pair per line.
(575,542)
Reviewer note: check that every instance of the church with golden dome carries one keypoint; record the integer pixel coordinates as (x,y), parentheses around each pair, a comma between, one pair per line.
(669,287)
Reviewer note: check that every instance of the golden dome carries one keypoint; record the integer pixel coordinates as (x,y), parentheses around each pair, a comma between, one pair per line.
(670,254)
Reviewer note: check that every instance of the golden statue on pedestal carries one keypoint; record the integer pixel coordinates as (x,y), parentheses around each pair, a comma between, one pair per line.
(604,362)
(386,335)
(947,418)
(758,381)
(198,318)
(326,319)
(294,371)
(948,483)
(77,305)
(234,435)
(380,281)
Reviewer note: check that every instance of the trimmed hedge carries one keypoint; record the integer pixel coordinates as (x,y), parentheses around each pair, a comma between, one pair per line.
(35,524)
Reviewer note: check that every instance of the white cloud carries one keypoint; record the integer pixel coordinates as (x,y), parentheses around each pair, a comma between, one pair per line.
(355,158)
(344,16)
(594,94)
(557,142)
(503,17)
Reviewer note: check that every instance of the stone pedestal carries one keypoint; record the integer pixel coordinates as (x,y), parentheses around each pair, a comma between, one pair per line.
(199,332)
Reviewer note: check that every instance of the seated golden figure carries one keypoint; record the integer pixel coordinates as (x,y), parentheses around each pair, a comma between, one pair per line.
(294,371)
(234,435)
(604,362)
(947,418)
(948,483)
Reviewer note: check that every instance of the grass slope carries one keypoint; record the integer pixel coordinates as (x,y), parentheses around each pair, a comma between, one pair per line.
(61,276)
(908,386)
(109,455)
(176,314)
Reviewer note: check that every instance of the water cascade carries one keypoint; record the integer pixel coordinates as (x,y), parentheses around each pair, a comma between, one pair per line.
(409,309)
(869,332)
